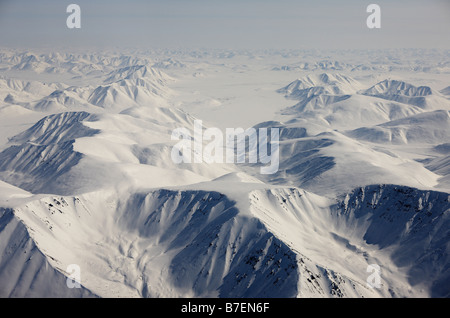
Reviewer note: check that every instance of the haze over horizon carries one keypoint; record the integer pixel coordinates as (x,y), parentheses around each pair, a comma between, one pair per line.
(232,24)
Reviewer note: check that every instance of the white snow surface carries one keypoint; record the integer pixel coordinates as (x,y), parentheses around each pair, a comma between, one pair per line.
(86,175)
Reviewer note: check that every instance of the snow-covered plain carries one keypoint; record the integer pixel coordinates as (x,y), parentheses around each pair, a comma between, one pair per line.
(86,175)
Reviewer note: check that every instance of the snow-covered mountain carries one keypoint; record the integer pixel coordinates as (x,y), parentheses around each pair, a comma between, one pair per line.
(429,127)
(87,178)
(285,243)
(400,91)
(339,101)
(445,91)
(325,83)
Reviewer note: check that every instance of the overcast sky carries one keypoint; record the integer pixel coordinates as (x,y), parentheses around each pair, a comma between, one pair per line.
(334,24)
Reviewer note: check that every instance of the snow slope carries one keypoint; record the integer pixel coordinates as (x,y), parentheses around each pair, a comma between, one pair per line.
(285,243)
(86,175)
(430,127)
